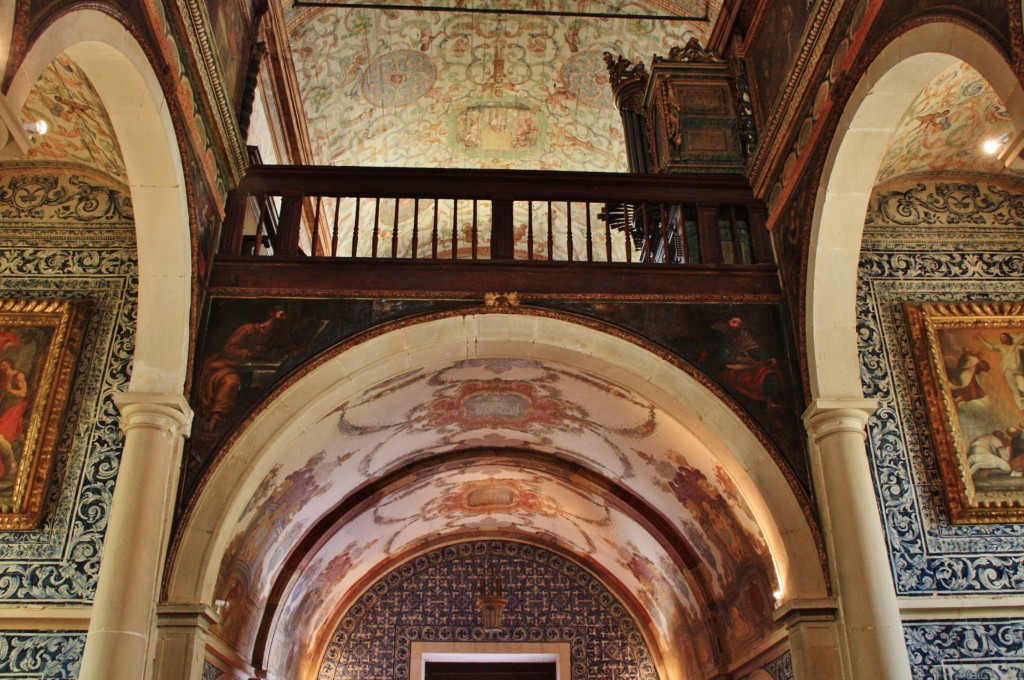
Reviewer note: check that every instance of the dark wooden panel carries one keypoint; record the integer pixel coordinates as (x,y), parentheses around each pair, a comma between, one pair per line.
(490,671)
(312,180)
(286,277)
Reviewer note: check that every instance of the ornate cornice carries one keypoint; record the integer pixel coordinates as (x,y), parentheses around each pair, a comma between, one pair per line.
(785,111)
(195,21)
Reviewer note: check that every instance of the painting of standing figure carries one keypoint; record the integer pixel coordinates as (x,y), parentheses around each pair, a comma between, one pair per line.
(970,359)
(39,345)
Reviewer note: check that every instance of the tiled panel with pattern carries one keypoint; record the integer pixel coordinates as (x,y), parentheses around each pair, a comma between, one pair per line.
(51,655)
(65,236)
(966,650)
(433,598)
(937,241)
(934,241)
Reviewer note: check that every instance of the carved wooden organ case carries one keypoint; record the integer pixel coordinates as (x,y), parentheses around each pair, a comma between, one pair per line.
(691,113)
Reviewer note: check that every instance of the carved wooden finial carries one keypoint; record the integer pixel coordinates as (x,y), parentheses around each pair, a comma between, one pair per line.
(691,52)
(621,70)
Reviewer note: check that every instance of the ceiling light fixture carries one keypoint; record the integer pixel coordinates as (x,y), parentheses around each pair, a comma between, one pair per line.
(491,602)
(992,146)
(40,127)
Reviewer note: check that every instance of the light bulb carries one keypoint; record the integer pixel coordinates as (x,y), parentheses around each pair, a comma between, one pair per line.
(992,146)
(39,127)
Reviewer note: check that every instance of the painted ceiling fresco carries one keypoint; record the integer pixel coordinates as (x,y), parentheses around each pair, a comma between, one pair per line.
(80,131)
(442,89)
(503,404)
(943,131)
(484,498)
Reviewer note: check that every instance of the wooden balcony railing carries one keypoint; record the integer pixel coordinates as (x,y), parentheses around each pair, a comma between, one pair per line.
(445,214)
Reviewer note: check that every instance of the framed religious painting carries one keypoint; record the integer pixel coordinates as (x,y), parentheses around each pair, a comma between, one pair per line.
(970,361)
(40,341)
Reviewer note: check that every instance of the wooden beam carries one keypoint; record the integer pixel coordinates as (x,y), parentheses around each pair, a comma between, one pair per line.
(364,277)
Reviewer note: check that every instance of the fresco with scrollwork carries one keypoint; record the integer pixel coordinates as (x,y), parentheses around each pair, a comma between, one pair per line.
(438,89)
(947,203)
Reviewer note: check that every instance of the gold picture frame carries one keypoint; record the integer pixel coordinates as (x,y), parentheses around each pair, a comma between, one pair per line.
(970,361)
(40,341)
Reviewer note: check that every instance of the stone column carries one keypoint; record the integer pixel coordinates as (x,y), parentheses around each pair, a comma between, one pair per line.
(872,629)
(119,644)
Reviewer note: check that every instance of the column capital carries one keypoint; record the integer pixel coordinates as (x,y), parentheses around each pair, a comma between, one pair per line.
(166,412)
(799,611)
(825,417)
(200,616)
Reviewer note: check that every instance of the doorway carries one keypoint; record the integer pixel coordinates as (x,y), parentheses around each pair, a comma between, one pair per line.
(490,661)
(448,670)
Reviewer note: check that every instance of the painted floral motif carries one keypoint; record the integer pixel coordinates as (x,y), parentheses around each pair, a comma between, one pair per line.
(943,130)
(398,78)
(80,132)
(443,89)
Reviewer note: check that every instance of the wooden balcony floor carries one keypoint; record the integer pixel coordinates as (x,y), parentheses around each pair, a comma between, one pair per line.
(354,277)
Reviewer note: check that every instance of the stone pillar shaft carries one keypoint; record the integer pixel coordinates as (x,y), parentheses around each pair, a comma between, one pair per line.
(870,616)
(121,628)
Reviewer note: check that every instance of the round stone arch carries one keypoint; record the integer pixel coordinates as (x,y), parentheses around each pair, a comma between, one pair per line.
(125,80)
(207,530)
(6,31)
(878,104)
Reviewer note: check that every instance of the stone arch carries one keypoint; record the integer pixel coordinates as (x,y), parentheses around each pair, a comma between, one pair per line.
(206,532)
(878,104)
(125,80)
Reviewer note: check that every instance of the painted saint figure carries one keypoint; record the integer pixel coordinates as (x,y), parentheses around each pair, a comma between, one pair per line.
(13,402)
(745,366)
(1011,348)
(221,378)
(963,377)
(990,455)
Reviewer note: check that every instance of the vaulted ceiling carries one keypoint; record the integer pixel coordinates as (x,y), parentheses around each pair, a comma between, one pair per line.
(503,446)
(943,131)
(429,88)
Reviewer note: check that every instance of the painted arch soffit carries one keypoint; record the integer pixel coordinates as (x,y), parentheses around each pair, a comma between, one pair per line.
(495,404)
(451,89)
(496,499)
(944,129)
(80,134)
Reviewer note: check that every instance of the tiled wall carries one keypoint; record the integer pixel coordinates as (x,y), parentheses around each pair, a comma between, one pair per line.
(927,242)
(66,235)
(433,598)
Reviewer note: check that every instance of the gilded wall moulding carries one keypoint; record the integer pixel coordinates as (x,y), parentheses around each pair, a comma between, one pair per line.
(39,348)
(970,362)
